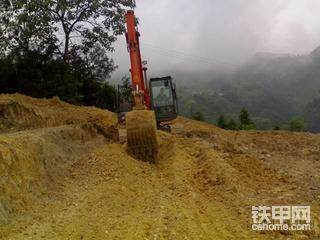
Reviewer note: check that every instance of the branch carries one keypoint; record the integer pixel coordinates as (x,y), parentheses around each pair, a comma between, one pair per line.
(78,18)
(93,24)
(59,51)
(60,17)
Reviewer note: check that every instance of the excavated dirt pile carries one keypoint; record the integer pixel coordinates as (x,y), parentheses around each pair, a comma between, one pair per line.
(37,145)
(65,175)
(19,112)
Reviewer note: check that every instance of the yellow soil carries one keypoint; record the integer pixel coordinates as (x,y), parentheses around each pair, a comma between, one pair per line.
(203,186)
(19,112)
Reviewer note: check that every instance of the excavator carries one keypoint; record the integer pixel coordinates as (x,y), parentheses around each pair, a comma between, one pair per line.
(154,102)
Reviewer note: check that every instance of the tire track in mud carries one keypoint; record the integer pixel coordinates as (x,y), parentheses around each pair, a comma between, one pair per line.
(179,211)
(212,217)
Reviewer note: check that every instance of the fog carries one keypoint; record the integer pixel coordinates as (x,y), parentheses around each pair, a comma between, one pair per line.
(212,35)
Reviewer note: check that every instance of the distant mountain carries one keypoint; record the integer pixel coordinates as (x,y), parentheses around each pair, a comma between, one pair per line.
(315,55)
(270,55)
(275,88)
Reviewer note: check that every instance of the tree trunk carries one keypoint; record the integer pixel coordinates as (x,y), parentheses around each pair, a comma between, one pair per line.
(66,48)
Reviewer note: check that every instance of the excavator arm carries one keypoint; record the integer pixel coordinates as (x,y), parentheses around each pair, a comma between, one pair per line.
(141,94)
(142,139)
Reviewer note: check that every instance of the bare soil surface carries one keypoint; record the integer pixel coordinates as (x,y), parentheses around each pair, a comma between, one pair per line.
(70,178)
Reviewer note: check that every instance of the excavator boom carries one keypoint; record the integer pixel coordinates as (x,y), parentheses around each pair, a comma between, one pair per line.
(142,139)
(134,50)
(137,77)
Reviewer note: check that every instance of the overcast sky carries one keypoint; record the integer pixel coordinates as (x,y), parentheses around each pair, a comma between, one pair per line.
(204,34)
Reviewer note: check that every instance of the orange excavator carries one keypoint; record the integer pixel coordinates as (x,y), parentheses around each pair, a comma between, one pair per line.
(154,102)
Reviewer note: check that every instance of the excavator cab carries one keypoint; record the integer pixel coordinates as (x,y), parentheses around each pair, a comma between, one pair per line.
(163,99)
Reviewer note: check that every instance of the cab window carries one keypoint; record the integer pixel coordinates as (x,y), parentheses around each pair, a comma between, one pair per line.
(162,94)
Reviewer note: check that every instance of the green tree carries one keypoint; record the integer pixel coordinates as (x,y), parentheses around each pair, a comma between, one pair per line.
(276,127)
(222,122)
(36,59)
(232,125)
(296,125)
(198,116)
(125,89)
(91,22)
(245,121)
(106,97)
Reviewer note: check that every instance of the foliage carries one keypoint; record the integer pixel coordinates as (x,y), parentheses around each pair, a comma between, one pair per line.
(105,97)
(125,89)
(60,48)
(83,23)
(198,116)
(221,122)
(274,89)
(232,125)
(245,121)
(296,125)
(276,128)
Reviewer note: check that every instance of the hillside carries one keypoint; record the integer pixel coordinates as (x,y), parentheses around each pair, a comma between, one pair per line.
(66,175)
(274,88)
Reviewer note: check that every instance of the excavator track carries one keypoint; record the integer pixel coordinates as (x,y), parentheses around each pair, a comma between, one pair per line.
(142,139)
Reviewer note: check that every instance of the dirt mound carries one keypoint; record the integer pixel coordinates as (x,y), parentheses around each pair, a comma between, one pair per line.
(19,112)
(78,182)
(30,161)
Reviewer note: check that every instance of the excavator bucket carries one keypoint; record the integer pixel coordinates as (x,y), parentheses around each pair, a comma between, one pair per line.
(142,139)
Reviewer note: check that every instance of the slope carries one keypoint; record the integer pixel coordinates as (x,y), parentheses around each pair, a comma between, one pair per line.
(203,186)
